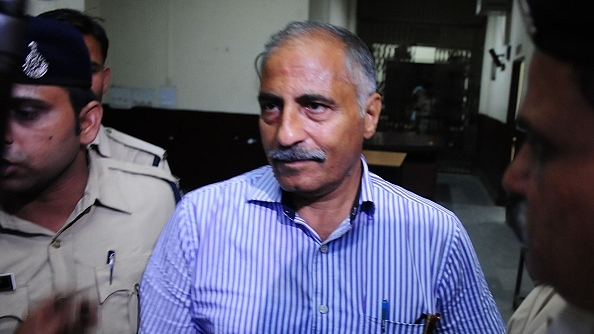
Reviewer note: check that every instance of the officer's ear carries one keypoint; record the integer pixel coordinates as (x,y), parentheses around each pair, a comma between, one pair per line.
(90,121)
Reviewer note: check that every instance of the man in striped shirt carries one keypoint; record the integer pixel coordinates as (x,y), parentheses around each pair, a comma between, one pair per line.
(314,242)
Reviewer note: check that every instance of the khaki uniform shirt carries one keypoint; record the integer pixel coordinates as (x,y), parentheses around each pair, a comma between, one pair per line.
(111,143)
(544,311)
(123,209)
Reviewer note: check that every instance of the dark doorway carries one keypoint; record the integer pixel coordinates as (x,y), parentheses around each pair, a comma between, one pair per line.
(451,80)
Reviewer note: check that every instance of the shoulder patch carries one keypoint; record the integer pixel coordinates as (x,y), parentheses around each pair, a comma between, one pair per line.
(139,144)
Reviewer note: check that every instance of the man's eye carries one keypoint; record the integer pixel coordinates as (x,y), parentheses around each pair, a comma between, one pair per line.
(22,114)
(317,107)
(269,111)
(267,107)
(542,150)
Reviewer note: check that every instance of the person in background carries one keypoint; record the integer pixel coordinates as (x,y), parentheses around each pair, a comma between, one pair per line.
(109,142)
(422,108)
(551,197)
(76,229)
(314,241)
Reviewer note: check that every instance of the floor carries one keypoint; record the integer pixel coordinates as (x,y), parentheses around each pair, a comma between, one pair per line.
(496,246)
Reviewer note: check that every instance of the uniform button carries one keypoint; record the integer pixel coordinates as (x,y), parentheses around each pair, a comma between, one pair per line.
(323,309)
(324,248)
(56,243)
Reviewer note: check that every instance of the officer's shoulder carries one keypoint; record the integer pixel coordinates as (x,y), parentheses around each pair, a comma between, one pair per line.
(133,142)
(132,174)
(132,168)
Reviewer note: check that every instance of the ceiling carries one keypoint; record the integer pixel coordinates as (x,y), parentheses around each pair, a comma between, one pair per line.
(439,23)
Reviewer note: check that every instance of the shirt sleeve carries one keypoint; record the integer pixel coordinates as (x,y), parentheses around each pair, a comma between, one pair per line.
(465,300)
(165,289)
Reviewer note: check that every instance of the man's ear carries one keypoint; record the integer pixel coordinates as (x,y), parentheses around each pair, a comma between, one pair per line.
(90,121)
(106,77)
(373,109)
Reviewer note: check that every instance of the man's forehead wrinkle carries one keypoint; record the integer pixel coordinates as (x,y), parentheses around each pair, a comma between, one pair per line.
(312,72)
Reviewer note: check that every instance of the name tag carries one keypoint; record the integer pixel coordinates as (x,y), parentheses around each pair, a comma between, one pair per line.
(7,282)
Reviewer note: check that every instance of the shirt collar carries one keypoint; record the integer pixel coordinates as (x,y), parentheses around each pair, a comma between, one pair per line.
(266,189)
(102,149)
(366,192)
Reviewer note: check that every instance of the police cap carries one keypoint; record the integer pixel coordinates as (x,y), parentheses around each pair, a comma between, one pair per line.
(54,54)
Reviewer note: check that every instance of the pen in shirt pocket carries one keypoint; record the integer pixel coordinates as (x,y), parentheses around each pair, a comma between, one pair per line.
(385,310)
(111,264)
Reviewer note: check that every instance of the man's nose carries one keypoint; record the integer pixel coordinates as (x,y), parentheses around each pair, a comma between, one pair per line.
(517,173)
(292,126)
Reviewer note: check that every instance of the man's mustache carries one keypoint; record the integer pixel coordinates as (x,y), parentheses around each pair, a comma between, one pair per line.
(516,216)
(295,153)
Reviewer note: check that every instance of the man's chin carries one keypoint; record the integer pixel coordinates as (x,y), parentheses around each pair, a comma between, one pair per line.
(516,217)
(20,186)
(290,183)
(292,169)
(299,184)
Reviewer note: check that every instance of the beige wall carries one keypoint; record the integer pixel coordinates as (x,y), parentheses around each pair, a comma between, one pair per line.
(35,7)
(204,50)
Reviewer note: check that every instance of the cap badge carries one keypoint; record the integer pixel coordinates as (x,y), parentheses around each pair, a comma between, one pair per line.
(35,65)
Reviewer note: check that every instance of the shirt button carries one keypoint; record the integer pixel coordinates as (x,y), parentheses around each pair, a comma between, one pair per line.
(56,243)
(324,248)
(323,309)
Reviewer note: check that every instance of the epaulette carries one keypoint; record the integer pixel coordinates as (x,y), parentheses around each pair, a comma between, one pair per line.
(130,141)
(133,168)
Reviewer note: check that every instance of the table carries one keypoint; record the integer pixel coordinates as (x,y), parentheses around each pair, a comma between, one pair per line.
(384,158)
(408,159)
(408,142)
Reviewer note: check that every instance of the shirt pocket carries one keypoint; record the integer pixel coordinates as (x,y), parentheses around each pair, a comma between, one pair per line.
(13,308)
(374,325)
(402,328)
(118,297)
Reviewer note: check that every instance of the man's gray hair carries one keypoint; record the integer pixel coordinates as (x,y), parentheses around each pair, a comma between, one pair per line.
(359,63)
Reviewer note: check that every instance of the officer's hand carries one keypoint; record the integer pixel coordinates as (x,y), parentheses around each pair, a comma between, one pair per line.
(64,315)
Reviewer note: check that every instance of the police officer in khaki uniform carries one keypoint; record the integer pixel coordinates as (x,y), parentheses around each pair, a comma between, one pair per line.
(109,142)
(76,229)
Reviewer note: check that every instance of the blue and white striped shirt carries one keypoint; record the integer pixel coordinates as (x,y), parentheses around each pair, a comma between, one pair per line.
(233,259)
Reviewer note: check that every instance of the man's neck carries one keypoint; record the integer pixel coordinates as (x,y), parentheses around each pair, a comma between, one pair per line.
(324,214)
